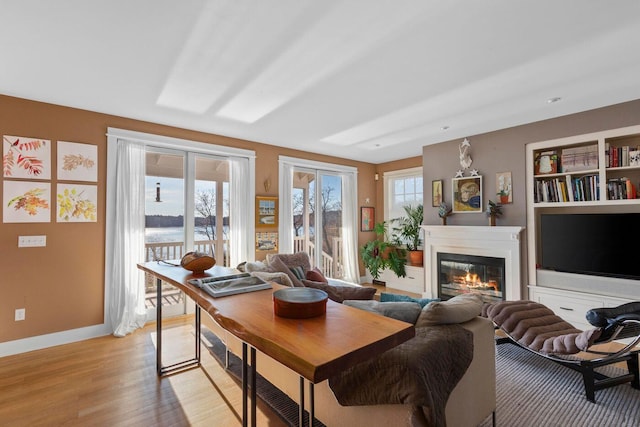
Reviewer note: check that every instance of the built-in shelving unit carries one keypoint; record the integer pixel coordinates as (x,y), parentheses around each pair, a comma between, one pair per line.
(597,172)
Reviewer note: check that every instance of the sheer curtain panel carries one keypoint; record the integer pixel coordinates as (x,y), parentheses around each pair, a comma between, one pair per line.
(127,309)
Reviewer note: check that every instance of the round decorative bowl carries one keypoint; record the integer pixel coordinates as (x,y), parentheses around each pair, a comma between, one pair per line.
(299,303)
(197,262)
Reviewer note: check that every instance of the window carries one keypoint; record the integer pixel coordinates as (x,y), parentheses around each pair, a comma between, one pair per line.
(402,188)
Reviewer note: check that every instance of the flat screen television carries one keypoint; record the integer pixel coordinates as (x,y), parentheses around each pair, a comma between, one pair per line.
(595,244)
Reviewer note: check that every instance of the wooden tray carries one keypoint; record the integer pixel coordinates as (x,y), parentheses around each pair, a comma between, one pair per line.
(300,303)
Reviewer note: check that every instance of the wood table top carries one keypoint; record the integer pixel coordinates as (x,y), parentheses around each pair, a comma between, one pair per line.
(316,348)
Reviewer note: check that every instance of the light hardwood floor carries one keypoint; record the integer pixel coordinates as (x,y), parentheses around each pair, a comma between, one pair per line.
(110,381)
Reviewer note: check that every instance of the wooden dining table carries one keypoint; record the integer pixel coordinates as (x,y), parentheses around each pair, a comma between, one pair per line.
(315,348)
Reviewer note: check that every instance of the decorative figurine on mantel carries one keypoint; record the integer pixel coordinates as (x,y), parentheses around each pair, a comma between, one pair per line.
(465,154)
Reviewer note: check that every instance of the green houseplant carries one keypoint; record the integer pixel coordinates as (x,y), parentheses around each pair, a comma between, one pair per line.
(407,232)
(494,210)
(381,254)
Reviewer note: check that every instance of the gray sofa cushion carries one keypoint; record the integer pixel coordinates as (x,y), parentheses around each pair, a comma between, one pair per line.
(405,310)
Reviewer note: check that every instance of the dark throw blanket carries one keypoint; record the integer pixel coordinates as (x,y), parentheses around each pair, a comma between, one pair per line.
(421,372)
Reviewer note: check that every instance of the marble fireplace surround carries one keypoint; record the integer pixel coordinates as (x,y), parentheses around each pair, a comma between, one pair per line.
(500,242)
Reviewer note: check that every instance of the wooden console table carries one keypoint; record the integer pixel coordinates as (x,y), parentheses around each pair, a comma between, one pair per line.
(315,348)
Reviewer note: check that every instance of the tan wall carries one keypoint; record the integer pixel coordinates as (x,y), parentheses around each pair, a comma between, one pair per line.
(62,285)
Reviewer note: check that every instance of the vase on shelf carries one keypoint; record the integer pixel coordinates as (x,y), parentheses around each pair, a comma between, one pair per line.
(492,220)
(444,220)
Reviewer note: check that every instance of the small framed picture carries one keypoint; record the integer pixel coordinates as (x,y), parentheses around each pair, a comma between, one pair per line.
(503,188)
(367,218)
(266,212)
(467,194)
(436,193)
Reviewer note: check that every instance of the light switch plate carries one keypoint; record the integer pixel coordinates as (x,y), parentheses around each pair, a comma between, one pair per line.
(32,241)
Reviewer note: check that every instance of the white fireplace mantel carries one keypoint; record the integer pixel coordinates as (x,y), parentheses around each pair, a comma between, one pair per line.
(500,242)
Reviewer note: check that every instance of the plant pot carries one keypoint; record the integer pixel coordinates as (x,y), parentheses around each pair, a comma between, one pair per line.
(504,199)
(492,220)
(444,220)
(415,257)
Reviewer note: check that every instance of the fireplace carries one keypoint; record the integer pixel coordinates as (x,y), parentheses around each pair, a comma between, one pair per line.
(462,274)
(493,253)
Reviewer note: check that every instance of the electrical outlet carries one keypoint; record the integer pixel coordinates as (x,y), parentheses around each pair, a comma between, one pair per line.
(32,241)
(20,314)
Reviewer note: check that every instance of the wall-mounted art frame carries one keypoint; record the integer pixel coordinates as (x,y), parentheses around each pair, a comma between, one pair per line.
(24,157)
(504,188)
(267,241)
(77,203)
(266,212)
(367,218)
(436,193)
(26,201)
(77,161)
(467,194)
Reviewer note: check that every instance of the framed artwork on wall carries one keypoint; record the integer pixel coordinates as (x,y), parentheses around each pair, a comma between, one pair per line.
(436,193)
(467,194)
(367,218)
(267,241)
(266,212)
(503,188)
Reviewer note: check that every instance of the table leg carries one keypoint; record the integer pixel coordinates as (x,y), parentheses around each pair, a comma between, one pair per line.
(244,385)
(253,387)
(312,409)
(186,364)
(301,406)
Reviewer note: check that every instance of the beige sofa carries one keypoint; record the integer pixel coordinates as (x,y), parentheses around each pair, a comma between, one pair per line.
(471,401)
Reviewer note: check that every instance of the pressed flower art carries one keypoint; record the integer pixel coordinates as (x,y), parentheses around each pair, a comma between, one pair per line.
(26,201)
(24,157)
(77,162)
(77,203)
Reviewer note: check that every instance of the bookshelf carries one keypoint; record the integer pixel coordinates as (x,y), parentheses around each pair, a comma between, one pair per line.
(596,172)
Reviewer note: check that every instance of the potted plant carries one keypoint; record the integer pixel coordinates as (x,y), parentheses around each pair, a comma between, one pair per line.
(407,232)
(494,210)
(381,254)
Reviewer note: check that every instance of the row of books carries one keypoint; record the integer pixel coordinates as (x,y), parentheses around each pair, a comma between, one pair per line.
(620,189)
(621,156)
(567,189)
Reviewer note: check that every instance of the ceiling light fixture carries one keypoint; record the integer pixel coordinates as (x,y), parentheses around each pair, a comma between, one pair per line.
(553,100)
(445,127)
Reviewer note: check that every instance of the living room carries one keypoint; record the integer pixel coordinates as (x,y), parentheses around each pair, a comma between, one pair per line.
(62,286)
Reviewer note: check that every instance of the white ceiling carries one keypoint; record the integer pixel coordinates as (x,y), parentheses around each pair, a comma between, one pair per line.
(371,80)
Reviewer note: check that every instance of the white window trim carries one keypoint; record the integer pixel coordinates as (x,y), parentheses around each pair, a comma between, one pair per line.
(401,173)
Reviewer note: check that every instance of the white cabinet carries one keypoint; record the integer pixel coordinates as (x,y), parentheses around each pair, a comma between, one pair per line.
(413,282)
(572,306)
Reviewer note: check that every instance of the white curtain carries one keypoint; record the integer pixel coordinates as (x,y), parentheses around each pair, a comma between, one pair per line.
(127,310)
(239,213)
(285,217)
(349,228)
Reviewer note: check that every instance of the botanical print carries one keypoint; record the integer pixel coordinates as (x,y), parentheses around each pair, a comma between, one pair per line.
(77,203)
(77,162)
(26,201)
(26,157)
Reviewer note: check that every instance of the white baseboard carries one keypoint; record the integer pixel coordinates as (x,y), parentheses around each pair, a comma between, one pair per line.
(50,340)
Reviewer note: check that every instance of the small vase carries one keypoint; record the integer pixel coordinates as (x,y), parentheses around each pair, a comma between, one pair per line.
(444,220)
(492,220)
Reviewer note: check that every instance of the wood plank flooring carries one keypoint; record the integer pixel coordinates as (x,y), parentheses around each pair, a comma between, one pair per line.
(111,381)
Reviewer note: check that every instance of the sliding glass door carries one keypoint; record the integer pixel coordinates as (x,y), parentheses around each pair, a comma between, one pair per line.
(186,209)
(318,215)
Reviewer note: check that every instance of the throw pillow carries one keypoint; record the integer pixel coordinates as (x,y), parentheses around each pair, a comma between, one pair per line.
(297,270)
(386,297)
(405,311)
(316,275)
(341,293)
(458,309)
(277,265)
